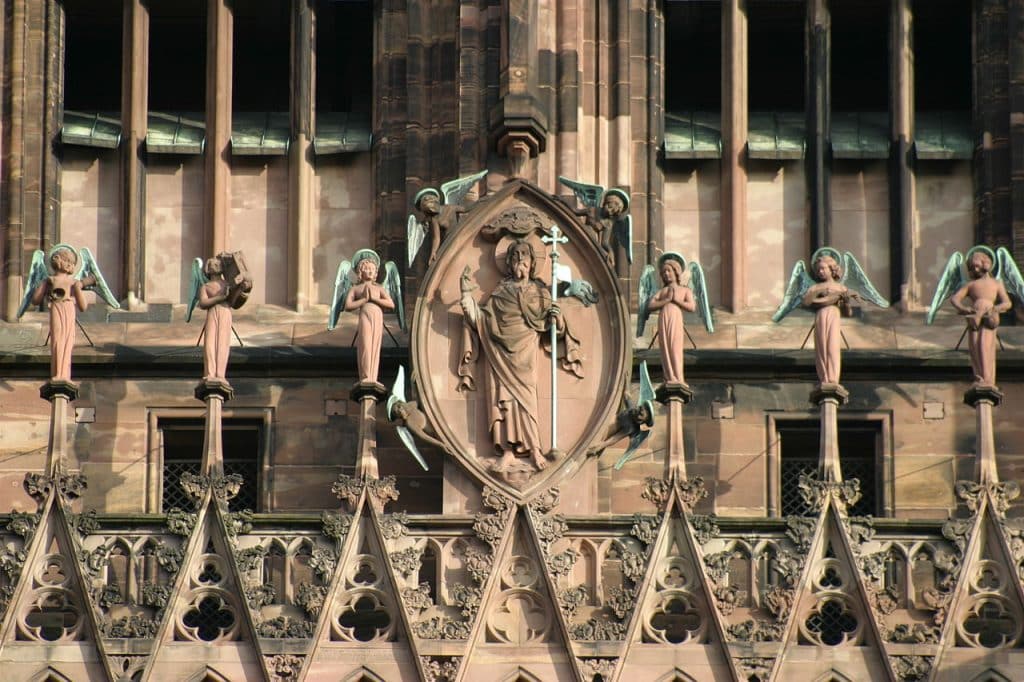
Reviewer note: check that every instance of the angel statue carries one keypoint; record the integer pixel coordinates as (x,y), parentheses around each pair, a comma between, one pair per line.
(410,421)
(985,283)
(371,300)
(829,290)
(607,214)
(635,421)
(438,218)
(683,289)
(219,285)
(60,278)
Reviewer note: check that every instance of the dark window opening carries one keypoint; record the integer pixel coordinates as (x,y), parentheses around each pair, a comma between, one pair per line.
(92,56)
(344,56)
(693,56)
(177,55)
(860,55)
(422,491)
(942,55)
(261,58)
(183,452)
(775,53)
(858,457)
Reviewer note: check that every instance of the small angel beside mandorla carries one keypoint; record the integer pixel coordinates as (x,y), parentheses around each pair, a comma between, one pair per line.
(834,283)
(683,289)
(607,214)
(438,218)
(59,279)
(635,421)
(409,420)
(987,279)
(371,300)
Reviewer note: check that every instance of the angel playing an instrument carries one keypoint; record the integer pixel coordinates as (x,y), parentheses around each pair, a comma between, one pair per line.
(70,274)
(438,218)
(635,421)
(834,284)
(218,292)
(683,290)
(607,215)
(371,300)
(988,274)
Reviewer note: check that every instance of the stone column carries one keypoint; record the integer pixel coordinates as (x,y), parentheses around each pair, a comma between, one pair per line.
(675,396)
(217,199)
(59,394)
(734,153)
(213,392)
(817,86)
(134,105)
(983,399)
(300,151)
(902,216)
(367,394)
(828,398)
(991,118)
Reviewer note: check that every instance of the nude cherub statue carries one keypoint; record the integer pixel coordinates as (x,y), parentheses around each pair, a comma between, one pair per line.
(370,300)
(438,218)
(219,285)
(985,287)
(830,289)
(683,289)
(607,214)
(62,287)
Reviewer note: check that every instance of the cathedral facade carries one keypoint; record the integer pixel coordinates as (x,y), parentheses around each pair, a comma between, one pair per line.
(511,340)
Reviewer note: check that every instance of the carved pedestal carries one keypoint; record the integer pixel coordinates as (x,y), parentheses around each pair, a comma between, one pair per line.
(60,394)
(675,396)
(828,397)
(983,399)
(367,394)
(213,392)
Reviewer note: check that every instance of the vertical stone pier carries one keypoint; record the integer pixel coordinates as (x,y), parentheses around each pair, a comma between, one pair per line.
(983,399)
(828,398)
(59,394)
(213,392)
(675,396)
(367,394)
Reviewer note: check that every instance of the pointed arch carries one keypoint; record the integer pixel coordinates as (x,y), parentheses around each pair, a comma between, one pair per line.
(50,674)
(832,676)
(676,675)
(208,674)
(363,674)
(520,675)
(990,675)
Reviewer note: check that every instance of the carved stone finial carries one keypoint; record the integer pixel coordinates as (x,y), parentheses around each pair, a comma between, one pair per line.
(379,491)
(815,492)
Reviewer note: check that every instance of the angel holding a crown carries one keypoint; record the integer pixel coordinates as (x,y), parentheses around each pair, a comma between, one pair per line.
(63,288)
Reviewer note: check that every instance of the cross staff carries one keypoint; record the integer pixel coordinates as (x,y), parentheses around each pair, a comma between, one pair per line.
(554,237)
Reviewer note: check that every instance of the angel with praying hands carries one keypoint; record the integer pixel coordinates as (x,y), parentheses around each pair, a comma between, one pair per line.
(371,300)
(219,285)
(60,278)
(983,278)
(683,289)
(437,218)
(834,283)
(607,214)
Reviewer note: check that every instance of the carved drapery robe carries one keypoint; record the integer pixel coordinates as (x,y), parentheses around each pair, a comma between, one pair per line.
(505,331)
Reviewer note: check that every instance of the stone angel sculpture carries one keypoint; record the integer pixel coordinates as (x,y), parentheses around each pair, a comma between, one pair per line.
(219,285)
(437,218)
(607,214)
(410,421)
(829,289)
(60,278)
(371,299)
(683,288)
(987,279)
(635,421)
